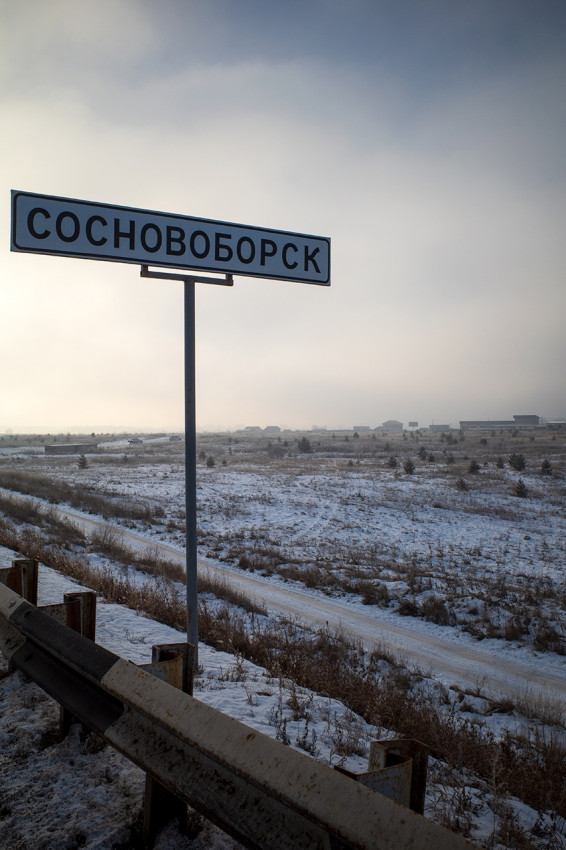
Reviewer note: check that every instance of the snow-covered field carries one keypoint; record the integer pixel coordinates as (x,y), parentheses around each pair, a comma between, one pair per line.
(443,544)
(447,550)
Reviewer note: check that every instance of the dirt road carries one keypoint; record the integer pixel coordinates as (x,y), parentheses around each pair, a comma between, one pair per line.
(449,656)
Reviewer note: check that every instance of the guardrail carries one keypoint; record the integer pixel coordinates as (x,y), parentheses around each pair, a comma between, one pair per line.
(261,792)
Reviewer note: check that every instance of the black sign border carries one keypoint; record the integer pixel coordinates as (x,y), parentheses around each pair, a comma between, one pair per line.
(86,256)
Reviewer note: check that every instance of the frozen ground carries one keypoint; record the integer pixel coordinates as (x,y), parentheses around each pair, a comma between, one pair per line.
(455,659)
(470,564)
(444,553)
(77,793)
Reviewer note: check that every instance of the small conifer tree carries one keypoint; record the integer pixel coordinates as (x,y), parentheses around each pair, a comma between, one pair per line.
(520,489)
(517,461)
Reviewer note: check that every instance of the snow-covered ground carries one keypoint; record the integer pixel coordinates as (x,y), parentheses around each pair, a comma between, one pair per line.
(452,657)
(76,793)
(332,526)
(467,562)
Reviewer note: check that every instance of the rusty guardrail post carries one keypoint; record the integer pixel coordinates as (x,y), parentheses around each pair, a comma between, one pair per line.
(81,617)
(77,612)
(30,572)
(22,577)
(172,663)
(87,612)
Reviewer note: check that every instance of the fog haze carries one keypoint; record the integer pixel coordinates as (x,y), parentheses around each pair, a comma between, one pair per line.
(426,140)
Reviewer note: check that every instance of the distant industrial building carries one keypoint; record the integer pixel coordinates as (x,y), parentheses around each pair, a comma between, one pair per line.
(361,428)
(71,448)
(519,421)
(392,426)
(439,429)
(528,420)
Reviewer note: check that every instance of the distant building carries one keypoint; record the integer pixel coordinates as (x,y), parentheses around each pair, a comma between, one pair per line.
(526,421)
(71,448)
(272,429)
(484,424)
(391,426)
(439,429)
(361,428)
(519,421)
(413,424)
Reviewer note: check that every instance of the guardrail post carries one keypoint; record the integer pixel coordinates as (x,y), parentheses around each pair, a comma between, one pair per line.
(30,571)
(21,577)
(87,612)
(397,769)
(174,664)
(80,614)
(397,750)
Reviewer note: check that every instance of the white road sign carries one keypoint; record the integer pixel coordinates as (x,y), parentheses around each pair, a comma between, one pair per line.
(43,224)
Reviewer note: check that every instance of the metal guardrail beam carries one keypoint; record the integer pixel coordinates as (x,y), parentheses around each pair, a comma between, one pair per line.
(264,794)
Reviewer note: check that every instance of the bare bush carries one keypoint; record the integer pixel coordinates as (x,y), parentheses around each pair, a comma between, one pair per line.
(374,593)
(435,609)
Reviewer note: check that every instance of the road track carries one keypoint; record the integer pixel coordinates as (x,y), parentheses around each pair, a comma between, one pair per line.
(454,659)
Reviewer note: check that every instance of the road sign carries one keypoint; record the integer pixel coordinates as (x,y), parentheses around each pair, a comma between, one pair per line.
(43,224)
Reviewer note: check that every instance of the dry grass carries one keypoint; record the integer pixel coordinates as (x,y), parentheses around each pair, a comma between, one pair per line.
(530,767)
(76,495)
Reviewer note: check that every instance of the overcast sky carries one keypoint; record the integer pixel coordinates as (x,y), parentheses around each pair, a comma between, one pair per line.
(426,139)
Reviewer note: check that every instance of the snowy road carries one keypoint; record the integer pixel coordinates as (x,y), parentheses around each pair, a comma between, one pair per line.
(451,657)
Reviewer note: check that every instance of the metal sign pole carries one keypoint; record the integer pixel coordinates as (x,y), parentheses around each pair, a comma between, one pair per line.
(189,282)
(191,468)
